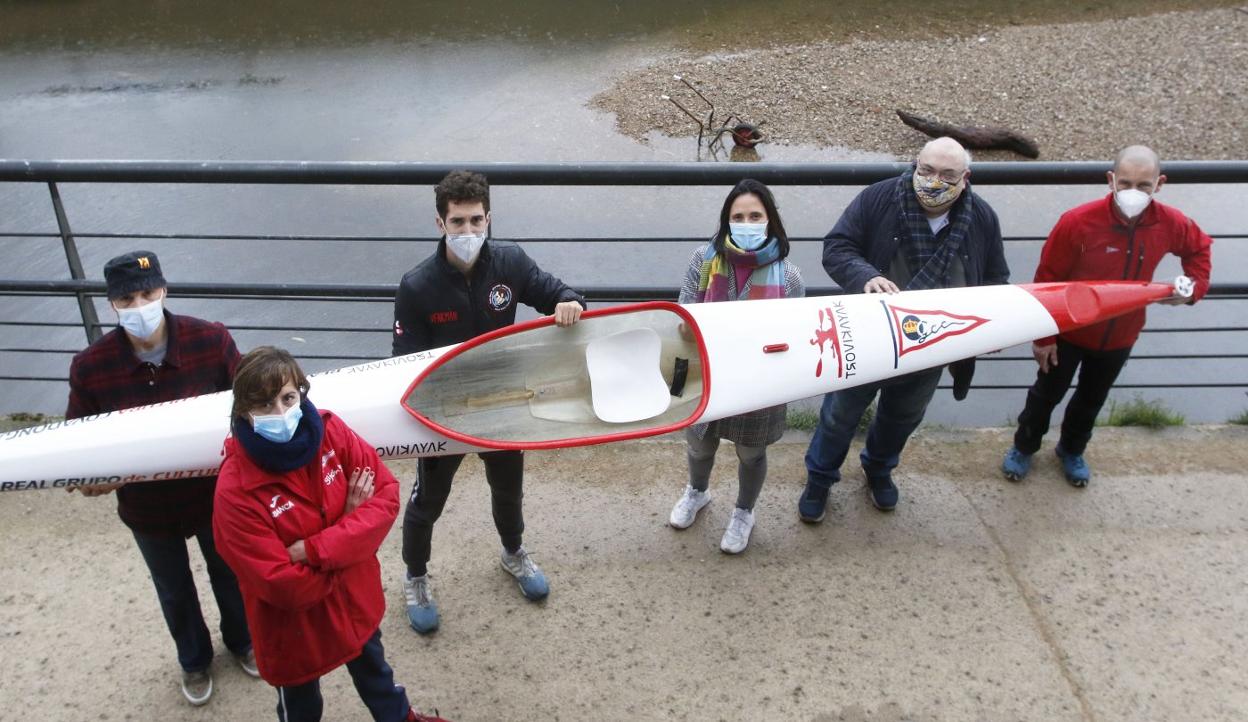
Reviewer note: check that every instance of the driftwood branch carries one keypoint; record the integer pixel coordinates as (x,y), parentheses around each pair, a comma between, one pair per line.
(983,138)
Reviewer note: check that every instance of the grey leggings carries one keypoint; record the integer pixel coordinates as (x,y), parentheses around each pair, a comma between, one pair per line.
(751,466)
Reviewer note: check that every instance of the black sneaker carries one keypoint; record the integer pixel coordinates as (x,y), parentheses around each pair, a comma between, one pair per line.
(883,492)
(812,503)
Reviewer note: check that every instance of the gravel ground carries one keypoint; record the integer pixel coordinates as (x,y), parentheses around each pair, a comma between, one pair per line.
(1175,81)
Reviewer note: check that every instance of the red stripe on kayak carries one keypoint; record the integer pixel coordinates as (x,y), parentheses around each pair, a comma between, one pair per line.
(1081,303)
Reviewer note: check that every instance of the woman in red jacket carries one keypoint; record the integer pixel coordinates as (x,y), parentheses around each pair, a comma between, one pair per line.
(302,504)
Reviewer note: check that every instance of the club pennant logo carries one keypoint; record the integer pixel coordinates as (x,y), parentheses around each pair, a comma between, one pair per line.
(916,329)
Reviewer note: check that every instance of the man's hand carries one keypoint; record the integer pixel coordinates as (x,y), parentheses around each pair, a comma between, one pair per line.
(880,284)
(297,553)
(95,490)
(567,313)
(359,488)
(1046,356)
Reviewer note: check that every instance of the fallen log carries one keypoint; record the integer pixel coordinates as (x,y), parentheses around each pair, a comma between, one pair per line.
(977,137)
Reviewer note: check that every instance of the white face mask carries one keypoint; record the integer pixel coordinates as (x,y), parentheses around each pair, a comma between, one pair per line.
(466,247)
(143,321)
(1132,202)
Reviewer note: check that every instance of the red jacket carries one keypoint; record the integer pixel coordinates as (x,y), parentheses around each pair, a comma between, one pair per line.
(306,619)
(1093,243)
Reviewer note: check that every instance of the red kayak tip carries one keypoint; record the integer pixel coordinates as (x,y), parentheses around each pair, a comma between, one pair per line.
(1081,303)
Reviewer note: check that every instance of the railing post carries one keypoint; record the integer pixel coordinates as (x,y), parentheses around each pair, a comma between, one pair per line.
(90,321)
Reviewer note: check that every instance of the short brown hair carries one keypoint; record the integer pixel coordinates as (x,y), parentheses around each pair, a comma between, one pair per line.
(461,186)
(261,375)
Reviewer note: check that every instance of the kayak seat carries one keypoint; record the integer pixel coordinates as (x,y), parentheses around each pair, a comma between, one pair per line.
(626,383)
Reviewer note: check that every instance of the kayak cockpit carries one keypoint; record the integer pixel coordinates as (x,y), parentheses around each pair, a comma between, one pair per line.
(613,375)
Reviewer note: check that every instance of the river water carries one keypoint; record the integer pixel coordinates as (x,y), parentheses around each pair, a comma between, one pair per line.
(450,82)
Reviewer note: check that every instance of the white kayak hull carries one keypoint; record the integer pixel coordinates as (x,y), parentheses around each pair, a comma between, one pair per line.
(621,373)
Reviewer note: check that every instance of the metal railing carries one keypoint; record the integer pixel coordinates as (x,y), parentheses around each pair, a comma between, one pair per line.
(83,291)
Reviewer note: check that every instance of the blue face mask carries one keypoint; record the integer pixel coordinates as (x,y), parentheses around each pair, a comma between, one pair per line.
(748,236)
(143,321)
(278,428)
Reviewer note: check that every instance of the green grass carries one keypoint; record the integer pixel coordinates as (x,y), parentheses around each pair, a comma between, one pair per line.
(804,419)
(867,417)
(1138,412)
(21,420)
(1242,419)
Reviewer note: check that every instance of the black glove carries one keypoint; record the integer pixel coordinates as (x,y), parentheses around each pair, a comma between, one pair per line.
(962,372)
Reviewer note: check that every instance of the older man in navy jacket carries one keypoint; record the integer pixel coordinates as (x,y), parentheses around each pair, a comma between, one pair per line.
(924,229)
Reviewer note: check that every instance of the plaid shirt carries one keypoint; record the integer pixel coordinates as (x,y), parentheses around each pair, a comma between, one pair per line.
(200,358)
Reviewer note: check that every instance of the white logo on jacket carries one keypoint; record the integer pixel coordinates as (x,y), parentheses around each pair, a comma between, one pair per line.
(329,476)
(278,509)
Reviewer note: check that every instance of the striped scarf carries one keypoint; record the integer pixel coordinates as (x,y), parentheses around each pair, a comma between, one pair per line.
(928,258)
(766,280)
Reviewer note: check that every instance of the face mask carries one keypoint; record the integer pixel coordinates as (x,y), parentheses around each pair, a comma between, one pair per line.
(143,321)
(934,192)
(748,236)
(278,428)
(466,247)
(1132,202)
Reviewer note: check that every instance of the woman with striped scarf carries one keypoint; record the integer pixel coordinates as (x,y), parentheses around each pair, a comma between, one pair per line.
(744,260)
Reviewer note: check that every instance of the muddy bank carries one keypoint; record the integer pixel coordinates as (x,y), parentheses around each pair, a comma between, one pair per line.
(1175,81)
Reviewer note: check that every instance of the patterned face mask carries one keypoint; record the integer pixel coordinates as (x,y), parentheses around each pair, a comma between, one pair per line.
(934,192)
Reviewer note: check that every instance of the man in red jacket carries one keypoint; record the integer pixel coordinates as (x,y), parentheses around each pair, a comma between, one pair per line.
(1122,236)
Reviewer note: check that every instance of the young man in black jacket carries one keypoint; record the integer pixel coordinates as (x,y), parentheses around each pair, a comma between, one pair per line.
(469,286)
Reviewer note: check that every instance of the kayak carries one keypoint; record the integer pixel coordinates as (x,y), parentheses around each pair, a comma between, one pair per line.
(622,372)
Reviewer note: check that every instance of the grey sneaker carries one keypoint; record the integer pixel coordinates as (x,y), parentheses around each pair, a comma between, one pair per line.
(737,535)
(422,611)
(248,663)
(529,577)
(197,687)
(687,508)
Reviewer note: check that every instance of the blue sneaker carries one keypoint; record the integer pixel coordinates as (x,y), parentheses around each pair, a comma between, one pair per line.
(1016,464)
(812,503)
(422,611)
(529,577)
(1075,468)
(883,492)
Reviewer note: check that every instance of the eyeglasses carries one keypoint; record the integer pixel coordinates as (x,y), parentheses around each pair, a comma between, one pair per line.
(948,176)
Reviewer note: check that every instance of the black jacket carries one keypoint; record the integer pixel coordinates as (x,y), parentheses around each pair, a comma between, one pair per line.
(864,241)
(438,306)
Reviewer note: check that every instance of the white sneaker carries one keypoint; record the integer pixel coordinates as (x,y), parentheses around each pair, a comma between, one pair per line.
(737,535)
(686,510)
(197,687)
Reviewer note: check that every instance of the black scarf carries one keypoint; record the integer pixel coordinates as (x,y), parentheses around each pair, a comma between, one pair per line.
(929,259)
(296,453)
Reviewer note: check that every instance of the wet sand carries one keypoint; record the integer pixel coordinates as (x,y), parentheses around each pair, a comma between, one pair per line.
(976,599)
(1175,81)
